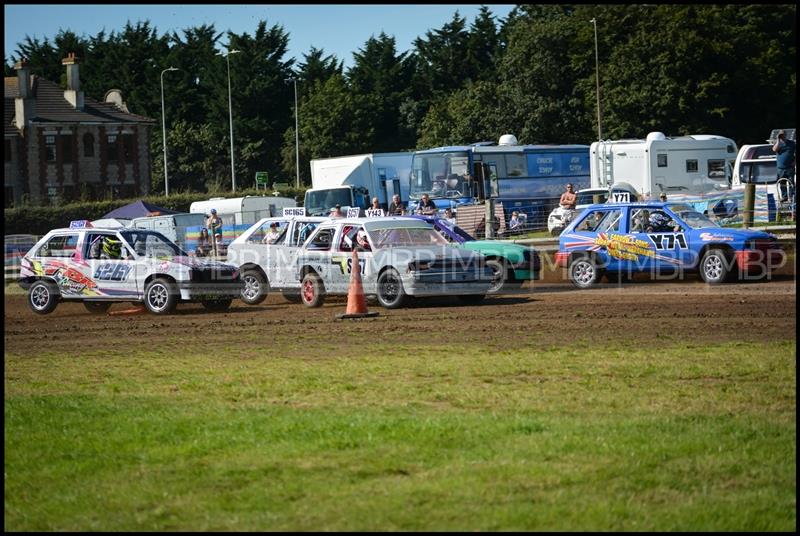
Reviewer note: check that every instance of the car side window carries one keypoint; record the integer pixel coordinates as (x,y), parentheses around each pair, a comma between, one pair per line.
(60,246)
(348,238)
(301,233)
(322,240)
(592,221)
(611,223)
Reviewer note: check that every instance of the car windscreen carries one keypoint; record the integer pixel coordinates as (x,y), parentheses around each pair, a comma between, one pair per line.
(691,217)
(384,237)
(151,244)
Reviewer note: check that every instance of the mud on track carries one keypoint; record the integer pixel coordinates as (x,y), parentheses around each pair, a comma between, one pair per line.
(542,315)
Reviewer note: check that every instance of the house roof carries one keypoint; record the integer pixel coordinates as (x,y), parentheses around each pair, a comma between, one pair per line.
(52,107)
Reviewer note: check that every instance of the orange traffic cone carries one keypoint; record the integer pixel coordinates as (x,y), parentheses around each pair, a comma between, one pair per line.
(356,301)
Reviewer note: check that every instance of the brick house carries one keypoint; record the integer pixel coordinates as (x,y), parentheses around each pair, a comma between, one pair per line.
(60,144)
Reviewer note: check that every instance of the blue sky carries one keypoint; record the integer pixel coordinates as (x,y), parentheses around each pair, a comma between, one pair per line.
(337,29)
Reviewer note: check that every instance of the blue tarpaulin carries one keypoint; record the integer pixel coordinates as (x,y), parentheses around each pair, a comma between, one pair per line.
(138,209)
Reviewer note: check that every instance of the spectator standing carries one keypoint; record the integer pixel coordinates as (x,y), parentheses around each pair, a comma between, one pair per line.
(785,150)
(203,243)
(214,224)
(336,212)
(375,204)
(449,217)
(426,206)
(568,198)
(396,207)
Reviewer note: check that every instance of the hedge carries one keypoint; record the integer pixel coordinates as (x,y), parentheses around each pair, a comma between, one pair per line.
(38,220)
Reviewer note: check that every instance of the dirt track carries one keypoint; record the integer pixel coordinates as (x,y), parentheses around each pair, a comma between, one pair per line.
(544,315)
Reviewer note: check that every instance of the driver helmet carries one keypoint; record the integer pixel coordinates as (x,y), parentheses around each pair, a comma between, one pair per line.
(111,246)
(361,238)
(658,220)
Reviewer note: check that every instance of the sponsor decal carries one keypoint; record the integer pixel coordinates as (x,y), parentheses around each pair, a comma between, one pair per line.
(709,237)
(624,247)
(112,272)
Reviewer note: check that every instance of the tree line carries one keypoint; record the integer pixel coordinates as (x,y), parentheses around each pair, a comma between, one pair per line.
(679,69)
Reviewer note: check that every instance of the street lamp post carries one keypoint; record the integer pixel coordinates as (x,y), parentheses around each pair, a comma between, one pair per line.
(597,76)
(164,130)
(296,134)
(230,115)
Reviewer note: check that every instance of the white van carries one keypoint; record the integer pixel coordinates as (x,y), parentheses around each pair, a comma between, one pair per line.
(757,164)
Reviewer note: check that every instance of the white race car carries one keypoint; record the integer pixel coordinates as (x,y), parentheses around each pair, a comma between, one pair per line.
(398,258)
(265,255)
(101,266)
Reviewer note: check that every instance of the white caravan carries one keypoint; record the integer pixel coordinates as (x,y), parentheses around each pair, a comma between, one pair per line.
(690,165)
(352,181)
(245,211)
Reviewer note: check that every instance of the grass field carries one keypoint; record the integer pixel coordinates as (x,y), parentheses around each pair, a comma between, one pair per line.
(404,436)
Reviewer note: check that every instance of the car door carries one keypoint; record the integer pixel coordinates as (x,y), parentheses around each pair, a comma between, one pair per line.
(342,259)
(600,230)
(296,234)
(316,254)
(114,277)
(663,239)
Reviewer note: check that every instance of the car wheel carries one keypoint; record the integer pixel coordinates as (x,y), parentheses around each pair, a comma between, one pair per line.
(714,268)
(43,296)
(471,299)
(499,275)
(390,290)
(256,287)
(312,290)
(583,272)
(160,297)
(292,297)
(97,307)
(217,305)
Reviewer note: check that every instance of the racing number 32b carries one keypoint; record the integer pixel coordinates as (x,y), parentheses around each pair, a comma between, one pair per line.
(112,272)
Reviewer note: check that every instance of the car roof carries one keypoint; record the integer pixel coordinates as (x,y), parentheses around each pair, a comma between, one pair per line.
(638,204)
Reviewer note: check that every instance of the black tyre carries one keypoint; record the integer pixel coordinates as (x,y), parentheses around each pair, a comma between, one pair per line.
(499,275)
(715,267)
(256,287)
(43,297)
(312,290)
(471,299)
(97,307)
(160,296)
(390,290)
(292,297)
(584,272)
(217,305)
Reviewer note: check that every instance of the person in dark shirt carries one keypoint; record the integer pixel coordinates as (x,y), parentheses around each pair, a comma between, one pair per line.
(785,150)
(396,207)
(426,206)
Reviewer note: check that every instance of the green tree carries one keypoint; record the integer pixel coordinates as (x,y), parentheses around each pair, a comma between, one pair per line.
(316,68)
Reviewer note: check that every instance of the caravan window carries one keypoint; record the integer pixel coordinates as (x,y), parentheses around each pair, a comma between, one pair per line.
(662,160)
(716,169)
(691,166)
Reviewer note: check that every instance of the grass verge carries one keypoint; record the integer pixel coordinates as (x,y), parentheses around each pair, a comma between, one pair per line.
(683,438)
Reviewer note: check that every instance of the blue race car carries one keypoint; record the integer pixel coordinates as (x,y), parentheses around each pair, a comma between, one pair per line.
(661,238)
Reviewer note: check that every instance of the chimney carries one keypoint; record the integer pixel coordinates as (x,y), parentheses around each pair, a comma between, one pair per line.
(24,103)
(73,93)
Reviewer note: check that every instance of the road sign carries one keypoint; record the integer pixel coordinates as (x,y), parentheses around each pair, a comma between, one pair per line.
(262,177)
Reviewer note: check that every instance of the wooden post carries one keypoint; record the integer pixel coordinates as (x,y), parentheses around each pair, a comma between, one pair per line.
(749,203)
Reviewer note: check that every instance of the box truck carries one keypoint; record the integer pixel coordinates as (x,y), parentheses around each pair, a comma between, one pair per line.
(352,181)
(695,164)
